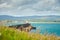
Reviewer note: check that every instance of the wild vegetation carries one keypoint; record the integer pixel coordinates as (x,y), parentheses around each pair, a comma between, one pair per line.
(7,33)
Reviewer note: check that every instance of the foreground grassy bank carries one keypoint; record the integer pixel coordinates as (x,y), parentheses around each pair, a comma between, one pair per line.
(7,33)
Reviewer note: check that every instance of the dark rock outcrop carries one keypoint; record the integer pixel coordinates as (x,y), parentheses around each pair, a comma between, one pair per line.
(24,27)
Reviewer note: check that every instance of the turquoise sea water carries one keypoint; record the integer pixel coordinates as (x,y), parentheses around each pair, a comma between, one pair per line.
(49,28)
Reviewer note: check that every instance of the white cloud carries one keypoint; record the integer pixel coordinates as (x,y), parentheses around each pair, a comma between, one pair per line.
(5,5)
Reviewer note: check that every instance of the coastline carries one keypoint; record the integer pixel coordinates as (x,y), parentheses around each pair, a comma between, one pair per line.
(45,22)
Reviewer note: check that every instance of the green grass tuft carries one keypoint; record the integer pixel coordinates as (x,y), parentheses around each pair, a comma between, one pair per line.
(7,33)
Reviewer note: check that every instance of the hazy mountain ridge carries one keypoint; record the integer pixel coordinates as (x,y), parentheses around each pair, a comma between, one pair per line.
(49,17)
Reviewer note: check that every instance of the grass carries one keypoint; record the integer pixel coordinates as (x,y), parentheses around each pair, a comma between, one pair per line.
(7,33)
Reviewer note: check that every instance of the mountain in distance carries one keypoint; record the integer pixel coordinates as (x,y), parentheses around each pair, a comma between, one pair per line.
(49,17)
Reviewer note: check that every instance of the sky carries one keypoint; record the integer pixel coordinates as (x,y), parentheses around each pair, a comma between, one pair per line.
(29,7)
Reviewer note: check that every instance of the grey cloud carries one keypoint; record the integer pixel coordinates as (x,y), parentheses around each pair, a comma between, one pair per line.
(18,3)
(30,6)
(5,1)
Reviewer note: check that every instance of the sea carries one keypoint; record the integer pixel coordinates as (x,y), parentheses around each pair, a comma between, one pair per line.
(49,28)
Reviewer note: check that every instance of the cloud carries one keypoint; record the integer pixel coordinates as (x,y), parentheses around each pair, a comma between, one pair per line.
(30,7)
(46,5)
(41,5)
(5,5)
